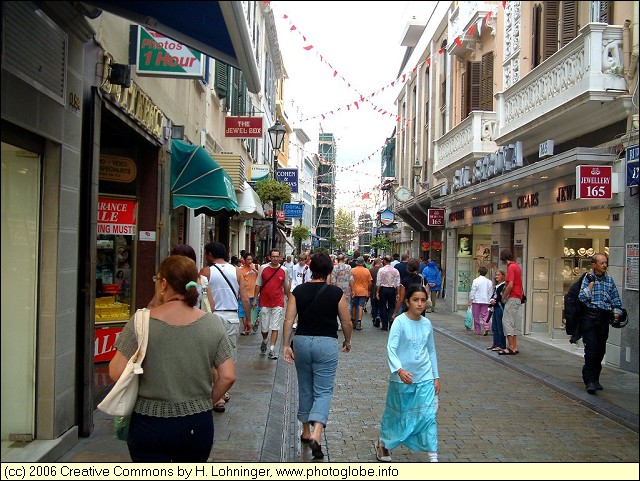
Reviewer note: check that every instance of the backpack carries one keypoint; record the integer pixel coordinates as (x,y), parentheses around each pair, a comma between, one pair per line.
(573,307)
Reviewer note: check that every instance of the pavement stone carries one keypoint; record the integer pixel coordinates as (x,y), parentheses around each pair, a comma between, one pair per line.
(526,408)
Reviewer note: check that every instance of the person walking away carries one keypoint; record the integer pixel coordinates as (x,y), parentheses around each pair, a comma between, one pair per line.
(375,309)
(271,287)
(342,276)
(409,416)
(250,275)
(402,266)
(479,300)
(412,277)
(289,265)
(433,276)
(226,290)
(512,297)
(186,346)
(361,289)
(499,342)
(600,296)
(315,348)
(387,291)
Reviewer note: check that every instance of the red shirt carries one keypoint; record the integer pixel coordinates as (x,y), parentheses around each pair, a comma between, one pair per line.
(514,273)
(271,293)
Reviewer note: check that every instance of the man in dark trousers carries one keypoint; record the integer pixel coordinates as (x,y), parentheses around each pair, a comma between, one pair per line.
(387,283)
(600,296)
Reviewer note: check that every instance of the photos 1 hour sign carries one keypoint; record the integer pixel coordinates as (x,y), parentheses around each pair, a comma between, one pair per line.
(593,182)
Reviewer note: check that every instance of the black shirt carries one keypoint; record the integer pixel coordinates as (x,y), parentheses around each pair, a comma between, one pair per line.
(321,320)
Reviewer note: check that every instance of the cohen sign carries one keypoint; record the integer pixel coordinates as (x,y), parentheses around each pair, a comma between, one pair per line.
(593,182)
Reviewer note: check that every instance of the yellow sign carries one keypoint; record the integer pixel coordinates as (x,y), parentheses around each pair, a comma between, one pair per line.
(117,169)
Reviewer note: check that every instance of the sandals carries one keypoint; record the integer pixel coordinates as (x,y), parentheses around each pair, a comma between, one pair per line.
(316,450)
(219,407)
(508,352)
(304,440)
(382,453)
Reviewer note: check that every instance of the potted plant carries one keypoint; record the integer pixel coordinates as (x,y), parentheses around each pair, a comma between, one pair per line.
(299,233)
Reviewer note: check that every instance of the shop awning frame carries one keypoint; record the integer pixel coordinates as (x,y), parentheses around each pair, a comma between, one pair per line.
(217,29)
(199,183)
(250,204)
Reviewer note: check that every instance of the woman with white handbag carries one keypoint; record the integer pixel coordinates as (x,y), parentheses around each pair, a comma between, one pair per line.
(172,419)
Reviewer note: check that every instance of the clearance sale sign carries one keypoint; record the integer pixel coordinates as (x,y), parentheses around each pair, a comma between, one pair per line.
(117,216)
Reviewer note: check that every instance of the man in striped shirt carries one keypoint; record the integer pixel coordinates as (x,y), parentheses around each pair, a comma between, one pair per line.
(599,294)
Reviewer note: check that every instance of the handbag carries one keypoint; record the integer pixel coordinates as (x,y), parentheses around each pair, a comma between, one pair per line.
(205,305)
(122,398)
(468,319)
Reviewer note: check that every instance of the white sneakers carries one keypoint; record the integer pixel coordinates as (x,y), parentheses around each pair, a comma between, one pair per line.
(272,354)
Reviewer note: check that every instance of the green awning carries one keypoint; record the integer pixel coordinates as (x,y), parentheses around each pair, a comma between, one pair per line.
(199,183)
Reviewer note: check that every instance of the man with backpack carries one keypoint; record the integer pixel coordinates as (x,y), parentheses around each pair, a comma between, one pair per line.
(599,294)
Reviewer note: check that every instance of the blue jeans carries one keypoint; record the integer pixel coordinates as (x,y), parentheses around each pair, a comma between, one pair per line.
(496,328)
(316,360)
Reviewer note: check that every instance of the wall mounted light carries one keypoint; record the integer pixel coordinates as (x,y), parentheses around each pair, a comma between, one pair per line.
(600,227)
(574,226)
(177,132)
(120,74)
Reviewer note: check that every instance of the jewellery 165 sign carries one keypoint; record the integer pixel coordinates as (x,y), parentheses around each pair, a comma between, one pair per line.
(593,181)
(435,217)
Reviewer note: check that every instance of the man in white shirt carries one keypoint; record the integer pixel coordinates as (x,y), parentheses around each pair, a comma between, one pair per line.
(289,265)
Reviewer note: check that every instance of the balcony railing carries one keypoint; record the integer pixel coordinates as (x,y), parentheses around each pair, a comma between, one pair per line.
(471,139)
(562,98)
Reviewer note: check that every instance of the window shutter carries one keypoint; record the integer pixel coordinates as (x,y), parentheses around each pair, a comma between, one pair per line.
(535,30)
(473,87)
(221,84)
(569,22)
(551,13)
(486,84)
(606,12)
(465,96)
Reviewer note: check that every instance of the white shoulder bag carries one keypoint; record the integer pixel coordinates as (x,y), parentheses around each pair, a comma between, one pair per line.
(122,398)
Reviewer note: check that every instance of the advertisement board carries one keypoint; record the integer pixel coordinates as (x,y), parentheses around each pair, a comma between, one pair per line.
(435,217)
(243,127)
(161,56)
(593,182)
(289,177)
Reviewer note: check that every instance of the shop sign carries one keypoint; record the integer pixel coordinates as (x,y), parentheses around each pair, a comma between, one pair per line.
(289,177)
(593,181)
(117,169)
(387,217)
(258,172)
(504,160)
(117,216)
(103,343)
(632,166)
(424,245)
(243,127)
(293,210)
(435,217)
(631,271)
(161,56)
(279,215)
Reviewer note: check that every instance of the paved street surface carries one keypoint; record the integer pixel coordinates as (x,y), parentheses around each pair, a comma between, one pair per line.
(526,408)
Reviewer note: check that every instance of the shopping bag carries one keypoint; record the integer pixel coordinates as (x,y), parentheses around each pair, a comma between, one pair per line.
(468,319)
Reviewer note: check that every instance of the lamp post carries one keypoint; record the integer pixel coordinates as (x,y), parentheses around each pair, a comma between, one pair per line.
(276,136)
(417,171)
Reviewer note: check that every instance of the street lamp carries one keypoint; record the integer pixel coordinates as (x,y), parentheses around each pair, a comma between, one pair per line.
(276,136)
(417,172)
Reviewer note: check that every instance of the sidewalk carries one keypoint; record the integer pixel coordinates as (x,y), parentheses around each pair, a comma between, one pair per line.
(260,419)
(556,368)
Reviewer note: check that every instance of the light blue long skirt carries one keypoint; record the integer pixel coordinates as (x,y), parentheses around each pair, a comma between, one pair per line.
(409,416)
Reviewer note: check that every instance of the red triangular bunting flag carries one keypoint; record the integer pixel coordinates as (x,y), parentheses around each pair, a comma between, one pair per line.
(458,42)
(335,72)
(504,4)
(293,27)
(429,62)
(441,50)
(472,29)
(308,47)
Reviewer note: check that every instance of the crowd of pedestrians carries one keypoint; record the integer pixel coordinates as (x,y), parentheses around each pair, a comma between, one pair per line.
(197,316)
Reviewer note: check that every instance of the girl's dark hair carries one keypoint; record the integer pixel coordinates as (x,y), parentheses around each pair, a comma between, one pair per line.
(178,270)
(184,250)
(412,289)
(321,265)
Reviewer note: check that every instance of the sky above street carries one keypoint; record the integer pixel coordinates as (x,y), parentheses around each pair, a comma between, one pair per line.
(335,53)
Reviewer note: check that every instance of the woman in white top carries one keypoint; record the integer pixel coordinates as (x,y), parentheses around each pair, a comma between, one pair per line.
(479,300)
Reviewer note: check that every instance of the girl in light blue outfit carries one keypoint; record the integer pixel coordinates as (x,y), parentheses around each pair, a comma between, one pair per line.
(409,416)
